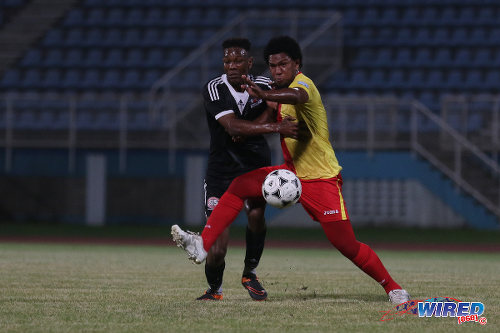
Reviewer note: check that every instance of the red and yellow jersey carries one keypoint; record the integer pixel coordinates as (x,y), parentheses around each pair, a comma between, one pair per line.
(312,155)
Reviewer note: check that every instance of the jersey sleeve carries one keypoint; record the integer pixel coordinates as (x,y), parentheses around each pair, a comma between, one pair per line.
(215,104)
(301,81)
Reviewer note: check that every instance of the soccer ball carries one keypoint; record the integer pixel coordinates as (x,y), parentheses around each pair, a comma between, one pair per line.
(281,188)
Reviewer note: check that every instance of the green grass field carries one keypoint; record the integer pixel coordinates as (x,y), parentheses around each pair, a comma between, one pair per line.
(117,288)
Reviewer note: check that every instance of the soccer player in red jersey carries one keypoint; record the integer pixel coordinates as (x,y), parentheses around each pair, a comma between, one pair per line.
(310,156)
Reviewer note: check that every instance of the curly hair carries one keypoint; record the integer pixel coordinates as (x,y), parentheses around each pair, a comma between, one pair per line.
(283,44)
(243,43)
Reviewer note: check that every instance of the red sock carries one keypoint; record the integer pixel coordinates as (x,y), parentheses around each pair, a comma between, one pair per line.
(369,262)
(341,235)
(226,211)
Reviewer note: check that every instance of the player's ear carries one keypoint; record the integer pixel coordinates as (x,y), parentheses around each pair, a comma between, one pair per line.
(250,62)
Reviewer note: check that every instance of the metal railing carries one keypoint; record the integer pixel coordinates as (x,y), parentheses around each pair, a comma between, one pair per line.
(372,123)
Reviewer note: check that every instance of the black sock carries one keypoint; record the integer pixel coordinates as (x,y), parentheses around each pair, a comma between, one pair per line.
(255,246)
(214,276)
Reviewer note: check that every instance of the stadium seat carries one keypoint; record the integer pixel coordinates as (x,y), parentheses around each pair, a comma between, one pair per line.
(73,58)
(54,57)
(94,58)
(32,58)
(114,58)
(71,79)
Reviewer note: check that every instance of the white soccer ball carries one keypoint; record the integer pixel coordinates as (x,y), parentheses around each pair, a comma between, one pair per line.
(281,188)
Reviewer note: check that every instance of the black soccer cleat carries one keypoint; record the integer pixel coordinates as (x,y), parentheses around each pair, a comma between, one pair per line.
(209,295)
(255,289)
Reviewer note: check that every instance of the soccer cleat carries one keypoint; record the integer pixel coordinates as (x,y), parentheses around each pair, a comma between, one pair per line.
(209,295)
(255,289)
(190,242)
(398,296)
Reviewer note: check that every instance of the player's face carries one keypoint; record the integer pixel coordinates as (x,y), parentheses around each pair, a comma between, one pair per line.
(283,69)
(237,62)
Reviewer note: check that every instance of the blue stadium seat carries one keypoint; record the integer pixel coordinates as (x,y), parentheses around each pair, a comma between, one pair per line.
(423,57)
(155,59)
(32,79)
(94,38)
(134,58)
(466,16)
(383,58)
(32,58)
(94,58)
(151,38)
(11,79)
(440,37)
(150,77)
(478,37)
(52,79)
(403,57)
(74,37)
(54,57)
(95,17)
(111,79)
(404,37)
(396,79)
(459,36)
(415,80)
(133,37)
(435,79)
(135,17)
(71,79)
(443,57)
(114,58)
(91,79)
(112,37)
(115,17)
(482,58)
(473,80)
(463,58)
(74,18)
(454,80)
(132,80)
(73,58)
(154,17)
(53,38)
(429,15)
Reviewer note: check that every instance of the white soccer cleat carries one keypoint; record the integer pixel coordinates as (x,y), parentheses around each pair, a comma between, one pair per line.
(398,296)
(190,242)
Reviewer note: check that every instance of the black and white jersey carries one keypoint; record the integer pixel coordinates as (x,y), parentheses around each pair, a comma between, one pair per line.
(230,159)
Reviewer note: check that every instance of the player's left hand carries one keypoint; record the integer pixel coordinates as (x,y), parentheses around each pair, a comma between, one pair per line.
(253,89)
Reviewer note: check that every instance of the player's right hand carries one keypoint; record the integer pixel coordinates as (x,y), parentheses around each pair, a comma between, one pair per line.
(289,127)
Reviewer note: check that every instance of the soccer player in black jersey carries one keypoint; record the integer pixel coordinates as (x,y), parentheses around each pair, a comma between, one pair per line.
(237,123)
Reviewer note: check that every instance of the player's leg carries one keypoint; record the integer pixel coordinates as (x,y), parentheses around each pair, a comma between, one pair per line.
(341,235)
(214,268)
(215,263)
(324,201)
(246,186)
(255,238)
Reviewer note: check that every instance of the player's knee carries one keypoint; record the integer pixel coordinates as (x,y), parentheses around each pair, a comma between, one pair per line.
(216,256)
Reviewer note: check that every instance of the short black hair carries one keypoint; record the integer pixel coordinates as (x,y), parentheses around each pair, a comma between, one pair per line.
(243,43)
(283,44)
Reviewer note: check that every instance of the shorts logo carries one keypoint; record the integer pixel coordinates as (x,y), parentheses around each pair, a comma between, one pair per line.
(331,212)
(212,202)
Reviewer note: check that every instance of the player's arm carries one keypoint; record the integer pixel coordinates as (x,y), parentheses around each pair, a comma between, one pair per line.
(283,96)
(239,127)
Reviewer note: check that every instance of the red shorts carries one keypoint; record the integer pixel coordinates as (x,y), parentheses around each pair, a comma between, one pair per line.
(321,198)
